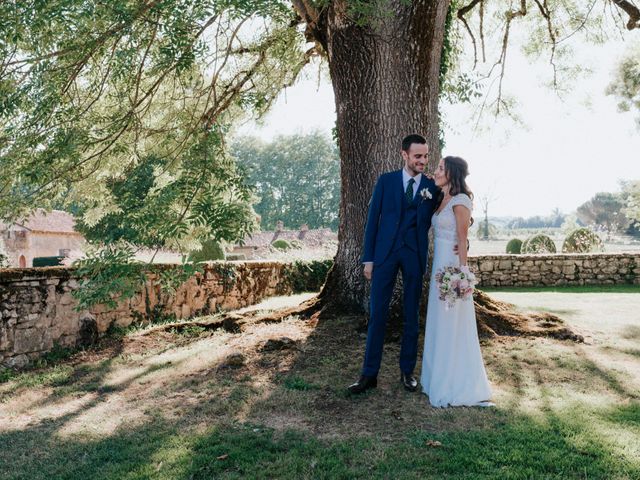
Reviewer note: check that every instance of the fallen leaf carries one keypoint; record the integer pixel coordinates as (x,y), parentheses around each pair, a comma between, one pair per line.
(433,443)
(223,457)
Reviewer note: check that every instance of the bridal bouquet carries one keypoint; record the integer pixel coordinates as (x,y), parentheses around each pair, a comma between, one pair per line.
(455,283)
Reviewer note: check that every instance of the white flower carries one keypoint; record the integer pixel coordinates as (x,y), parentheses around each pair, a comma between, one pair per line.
(426,194)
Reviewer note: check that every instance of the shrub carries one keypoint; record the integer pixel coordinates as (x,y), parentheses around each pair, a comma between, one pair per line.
(296,244)
(539,244)
(582,240)
(514,246)
(307,276)
(211,250)
(281,244)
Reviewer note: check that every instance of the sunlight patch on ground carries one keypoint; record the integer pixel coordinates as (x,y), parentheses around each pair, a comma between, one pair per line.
(580,394)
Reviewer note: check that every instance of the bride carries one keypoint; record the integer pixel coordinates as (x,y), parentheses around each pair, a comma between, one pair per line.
(452,367)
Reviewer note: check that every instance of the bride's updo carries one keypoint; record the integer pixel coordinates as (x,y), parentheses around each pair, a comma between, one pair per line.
(457,169)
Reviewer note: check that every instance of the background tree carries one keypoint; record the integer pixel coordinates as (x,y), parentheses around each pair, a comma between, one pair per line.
(604,210)
(296,179)
(90,89)
(93,92)
(631,198)
(485,229)
(625,85)
(142,214)
(555,220)
(388,61)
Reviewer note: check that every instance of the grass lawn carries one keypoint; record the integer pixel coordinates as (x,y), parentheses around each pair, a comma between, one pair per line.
(166,406)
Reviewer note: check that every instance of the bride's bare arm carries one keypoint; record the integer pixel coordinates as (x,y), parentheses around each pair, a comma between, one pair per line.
(463,217)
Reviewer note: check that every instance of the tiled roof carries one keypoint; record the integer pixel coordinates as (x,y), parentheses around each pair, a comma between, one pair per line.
(309,238)
(55,221)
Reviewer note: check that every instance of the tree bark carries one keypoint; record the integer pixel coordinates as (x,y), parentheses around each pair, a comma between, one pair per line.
(385,77)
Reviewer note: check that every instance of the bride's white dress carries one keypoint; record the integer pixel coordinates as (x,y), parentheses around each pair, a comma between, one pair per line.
(453,371)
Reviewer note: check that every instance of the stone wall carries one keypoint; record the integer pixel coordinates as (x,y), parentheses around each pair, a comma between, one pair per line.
(38,310)
(565,269)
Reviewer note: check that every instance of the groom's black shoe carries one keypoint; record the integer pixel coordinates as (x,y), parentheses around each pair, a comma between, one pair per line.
(409,382)
(363,384)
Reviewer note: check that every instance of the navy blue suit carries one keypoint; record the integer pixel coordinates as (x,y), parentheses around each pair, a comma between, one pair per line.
(396,238)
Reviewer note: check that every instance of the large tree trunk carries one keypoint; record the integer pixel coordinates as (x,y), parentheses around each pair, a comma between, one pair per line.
(386,82)
(385,78)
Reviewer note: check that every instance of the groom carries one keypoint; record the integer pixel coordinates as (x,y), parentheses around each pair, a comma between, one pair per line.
(395,239)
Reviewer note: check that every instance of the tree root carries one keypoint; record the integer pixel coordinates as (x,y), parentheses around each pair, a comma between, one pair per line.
(495,318)
(233,322)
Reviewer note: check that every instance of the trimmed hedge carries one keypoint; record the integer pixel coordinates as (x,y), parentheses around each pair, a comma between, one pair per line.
(514,246)
(539,244)
(281,244)
(211,250)
(582,240)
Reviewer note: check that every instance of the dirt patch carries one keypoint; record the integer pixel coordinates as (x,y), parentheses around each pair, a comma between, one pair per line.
(181,372)
(496,318)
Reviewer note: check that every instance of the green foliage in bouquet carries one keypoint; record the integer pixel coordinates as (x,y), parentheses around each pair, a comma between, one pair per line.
(582,240)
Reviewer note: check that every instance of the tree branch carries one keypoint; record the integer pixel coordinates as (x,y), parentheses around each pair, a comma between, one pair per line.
(631,10)
(461,13)
(544,10)
(314,19)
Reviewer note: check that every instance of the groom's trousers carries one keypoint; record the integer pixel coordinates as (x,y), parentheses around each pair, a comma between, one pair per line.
(382,282)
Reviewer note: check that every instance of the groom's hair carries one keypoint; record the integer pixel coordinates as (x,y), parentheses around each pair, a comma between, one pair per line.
(411,139)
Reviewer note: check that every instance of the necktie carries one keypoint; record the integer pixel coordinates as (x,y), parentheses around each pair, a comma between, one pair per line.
(409,191)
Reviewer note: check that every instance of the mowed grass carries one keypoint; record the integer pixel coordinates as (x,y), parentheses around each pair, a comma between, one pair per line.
(172,408)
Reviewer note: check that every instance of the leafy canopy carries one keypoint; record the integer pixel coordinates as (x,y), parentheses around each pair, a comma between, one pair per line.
(92,92)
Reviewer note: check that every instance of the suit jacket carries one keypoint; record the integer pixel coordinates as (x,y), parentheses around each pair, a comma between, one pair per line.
(385,211)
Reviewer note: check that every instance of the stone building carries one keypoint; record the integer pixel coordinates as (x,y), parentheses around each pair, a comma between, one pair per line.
(42,234)
(257,245)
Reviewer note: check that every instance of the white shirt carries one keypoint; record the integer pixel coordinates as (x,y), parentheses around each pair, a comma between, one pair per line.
(405,181)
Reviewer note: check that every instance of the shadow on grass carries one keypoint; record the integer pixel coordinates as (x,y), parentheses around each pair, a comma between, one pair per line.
(286,415)
(517,447)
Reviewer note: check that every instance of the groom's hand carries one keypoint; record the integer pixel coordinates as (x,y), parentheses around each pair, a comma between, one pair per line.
(455,247)
(368,270)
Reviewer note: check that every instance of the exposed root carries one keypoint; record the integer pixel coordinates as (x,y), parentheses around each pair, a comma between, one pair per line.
(235,322)
(495,318)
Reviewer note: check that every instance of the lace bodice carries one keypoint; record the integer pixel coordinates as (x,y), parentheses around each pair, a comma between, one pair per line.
(444,223)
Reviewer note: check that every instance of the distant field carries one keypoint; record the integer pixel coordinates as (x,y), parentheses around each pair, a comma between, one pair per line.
(491,247)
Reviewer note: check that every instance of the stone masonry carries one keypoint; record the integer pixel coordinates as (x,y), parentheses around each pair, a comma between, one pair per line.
(564,269)
(38,310)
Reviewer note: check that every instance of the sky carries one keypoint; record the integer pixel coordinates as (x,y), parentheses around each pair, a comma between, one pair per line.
(564,151)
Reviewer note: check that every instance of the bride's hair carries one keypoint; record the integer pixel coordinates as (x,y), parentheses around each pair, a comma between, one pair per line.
(456,169)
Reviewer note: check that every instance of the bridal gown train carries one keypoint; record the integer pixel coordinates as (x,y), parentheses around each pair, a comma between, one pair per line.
(453,371)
